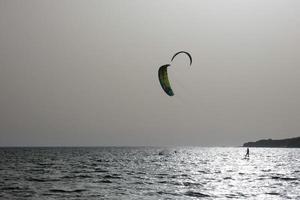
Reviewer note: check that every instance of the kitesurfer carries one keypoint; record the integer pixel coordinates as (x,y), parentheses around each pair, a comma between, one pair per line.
(247,153)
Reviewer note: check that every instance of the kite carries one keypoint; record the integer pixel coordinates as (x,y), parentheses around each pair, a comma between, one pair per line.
(163,74)
(164,80)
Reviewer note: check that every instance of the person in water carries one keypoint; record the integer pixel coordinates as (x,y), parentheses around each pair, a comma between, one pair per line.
(247,153)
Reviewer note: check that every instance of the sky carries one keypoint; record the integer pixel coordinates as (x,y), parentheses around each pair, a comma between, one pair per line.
(85,72)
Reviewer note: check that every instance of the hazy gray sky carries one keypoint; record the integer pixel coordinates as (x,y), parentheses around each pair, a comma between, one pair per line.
(85,72)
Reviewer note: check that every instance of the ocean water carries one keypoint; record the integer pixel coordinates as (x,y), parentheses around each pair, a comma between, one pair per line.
(149,173)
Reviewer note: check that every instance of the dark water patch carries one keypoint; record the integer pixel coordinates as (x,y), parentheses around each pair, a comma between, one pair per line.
(227,178)
(48,194)
(231,196)
(94,164)
(275,177)
(266,170)
(81,176)
(150,194)
(184,175)
(195,194)
(80,171)
(45,164)
(162,174)
(189,184)
(17,191)
(68,177)
(163,182)
(105,181)
(242,194)
(101,170)
(67,191)
(84,176)
(103,160)
(289,179)
(283,178)
(272,193)
(167,193)
(177,183)
(138,177)
(36,179)
(112,177)
(261,178)
(141,173)
(12,188)
(130,173)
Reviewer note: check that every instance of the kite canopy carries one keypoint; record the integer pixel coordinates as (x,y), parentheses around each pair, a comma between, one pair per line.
(164,80)
(189,55)
(163,74)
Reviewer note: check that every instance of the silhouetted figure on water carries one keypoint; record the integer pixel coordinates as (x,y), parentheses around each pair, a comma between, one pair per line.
(247,153)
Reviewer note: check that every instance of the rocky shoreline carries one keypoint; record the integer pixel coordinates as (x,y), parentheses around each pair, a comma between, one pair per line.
(283,143)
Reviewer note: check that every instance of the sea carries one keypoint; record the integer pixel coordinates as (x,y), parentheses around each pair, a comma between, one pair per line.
(87,173)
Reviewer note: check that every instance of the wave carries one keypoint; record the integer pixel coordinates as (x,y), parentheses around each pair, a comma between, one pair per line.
(67,191)
(101,170)
(127,173)
(272,193)
(189,184)
(41,179)
(105,181)
(114,176)
(12,188)
(167,193)
(284,178)
(196,194)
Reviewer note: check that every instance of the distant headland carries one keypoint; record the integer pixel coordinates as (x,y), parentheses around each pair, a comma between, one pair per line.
(284,143)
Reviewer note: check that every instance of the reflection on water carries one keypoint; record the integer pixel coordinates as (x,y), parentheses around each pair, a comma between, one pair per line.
(149,173)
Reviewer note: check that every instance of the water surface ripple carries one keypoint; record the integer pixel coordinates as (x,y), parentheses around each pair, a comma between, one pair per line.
(149,173)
